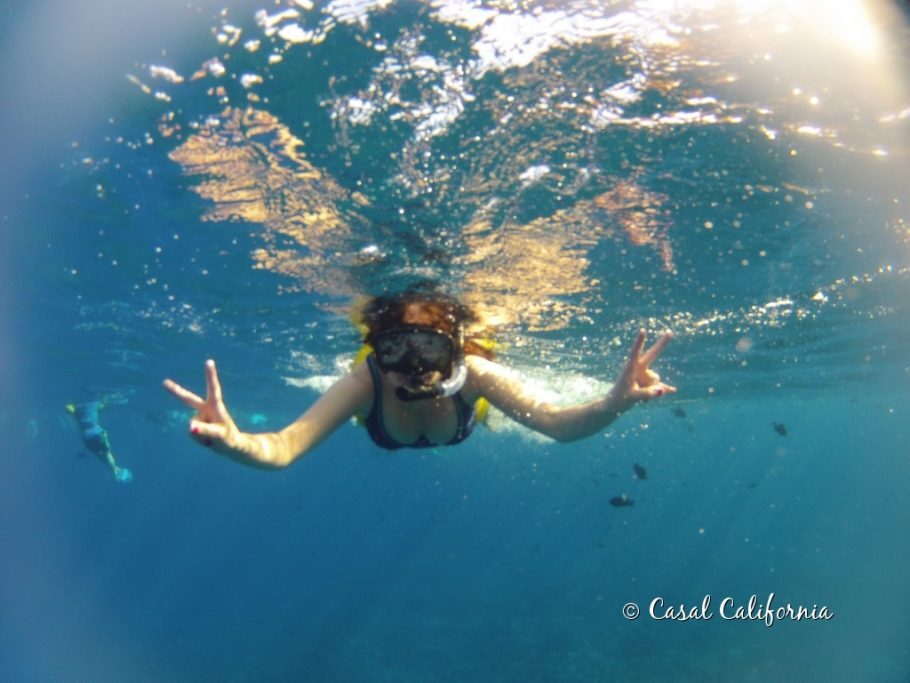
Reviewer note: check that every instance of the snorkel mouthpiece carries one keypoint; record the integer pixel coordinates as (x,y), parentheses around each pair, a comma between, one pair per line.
(449,387)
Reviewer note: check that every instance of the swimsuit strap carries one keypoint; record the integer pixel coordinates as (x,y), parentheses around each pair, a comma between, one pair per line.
(466,419)
(374,424)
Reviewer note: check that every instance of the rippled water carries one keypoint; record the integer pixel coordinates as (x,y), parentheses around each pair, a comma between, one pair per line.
(203,181)
(723,170)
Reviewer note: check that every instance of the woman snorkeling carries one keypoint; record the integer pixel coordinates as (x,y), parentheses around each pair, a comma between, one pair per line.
(417,388)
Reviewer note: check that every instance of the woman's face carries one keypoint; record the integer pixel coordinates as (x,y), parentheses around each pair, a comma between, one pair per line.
(416,353)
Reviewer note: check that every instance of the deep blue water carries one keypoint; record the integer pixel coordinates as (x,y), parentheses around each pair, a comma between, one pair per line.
(761,152)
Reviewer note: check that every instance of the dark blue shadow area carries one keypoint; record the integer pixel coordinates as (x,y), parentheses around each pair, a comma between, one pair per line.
(502,560)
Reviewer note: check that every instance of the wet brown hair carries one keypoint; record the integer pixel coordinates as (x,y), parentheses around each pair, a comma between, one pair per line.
(432,309)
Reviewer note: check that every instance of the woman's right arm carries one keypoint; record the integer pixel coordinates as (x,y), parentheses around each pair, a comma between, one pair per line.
(212,425)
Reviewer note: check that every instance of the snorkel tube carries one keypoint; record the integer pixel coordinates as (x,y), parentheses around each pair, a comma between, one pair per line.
(441,388)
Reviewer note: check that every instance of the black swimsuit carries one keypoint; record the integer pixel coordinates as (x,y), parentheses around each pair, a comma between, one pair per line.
(376,427)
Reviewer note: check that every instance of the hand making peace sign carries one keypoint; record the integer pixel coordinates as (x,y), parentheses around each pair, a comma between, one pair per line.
(212,425)
(637,381)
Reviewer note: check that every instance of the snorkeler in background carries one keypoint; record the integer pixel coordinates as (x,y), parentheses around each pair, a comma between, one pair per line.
(95,436)
(419,387)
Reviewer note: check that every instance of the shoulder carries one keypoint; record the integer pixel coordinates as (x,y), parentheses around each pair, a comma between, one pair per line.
(360,379)
(478,366)
(361,371)
(505,389)
(355,389)
(482,374)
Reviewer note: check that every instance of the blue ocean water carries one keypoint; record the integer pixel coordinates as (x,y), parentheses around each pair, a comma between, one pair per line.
(209,181)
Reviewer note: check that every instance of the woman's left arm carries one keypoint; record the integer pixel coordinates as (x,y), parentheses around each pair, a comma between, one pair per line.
(637,382)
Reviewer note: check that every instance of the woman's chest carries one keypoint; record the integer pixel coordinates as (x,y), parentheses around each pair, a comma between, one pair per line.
(407,421)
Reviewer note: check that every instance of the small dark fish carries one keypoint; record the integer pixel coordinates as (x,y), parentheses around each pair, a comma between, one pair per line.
(621,501)
(640,472)
(679,412)
(779,428)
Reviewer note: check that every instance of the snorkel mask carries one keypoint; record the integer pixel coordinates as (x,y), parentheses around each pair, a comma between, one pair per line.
(418,350)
